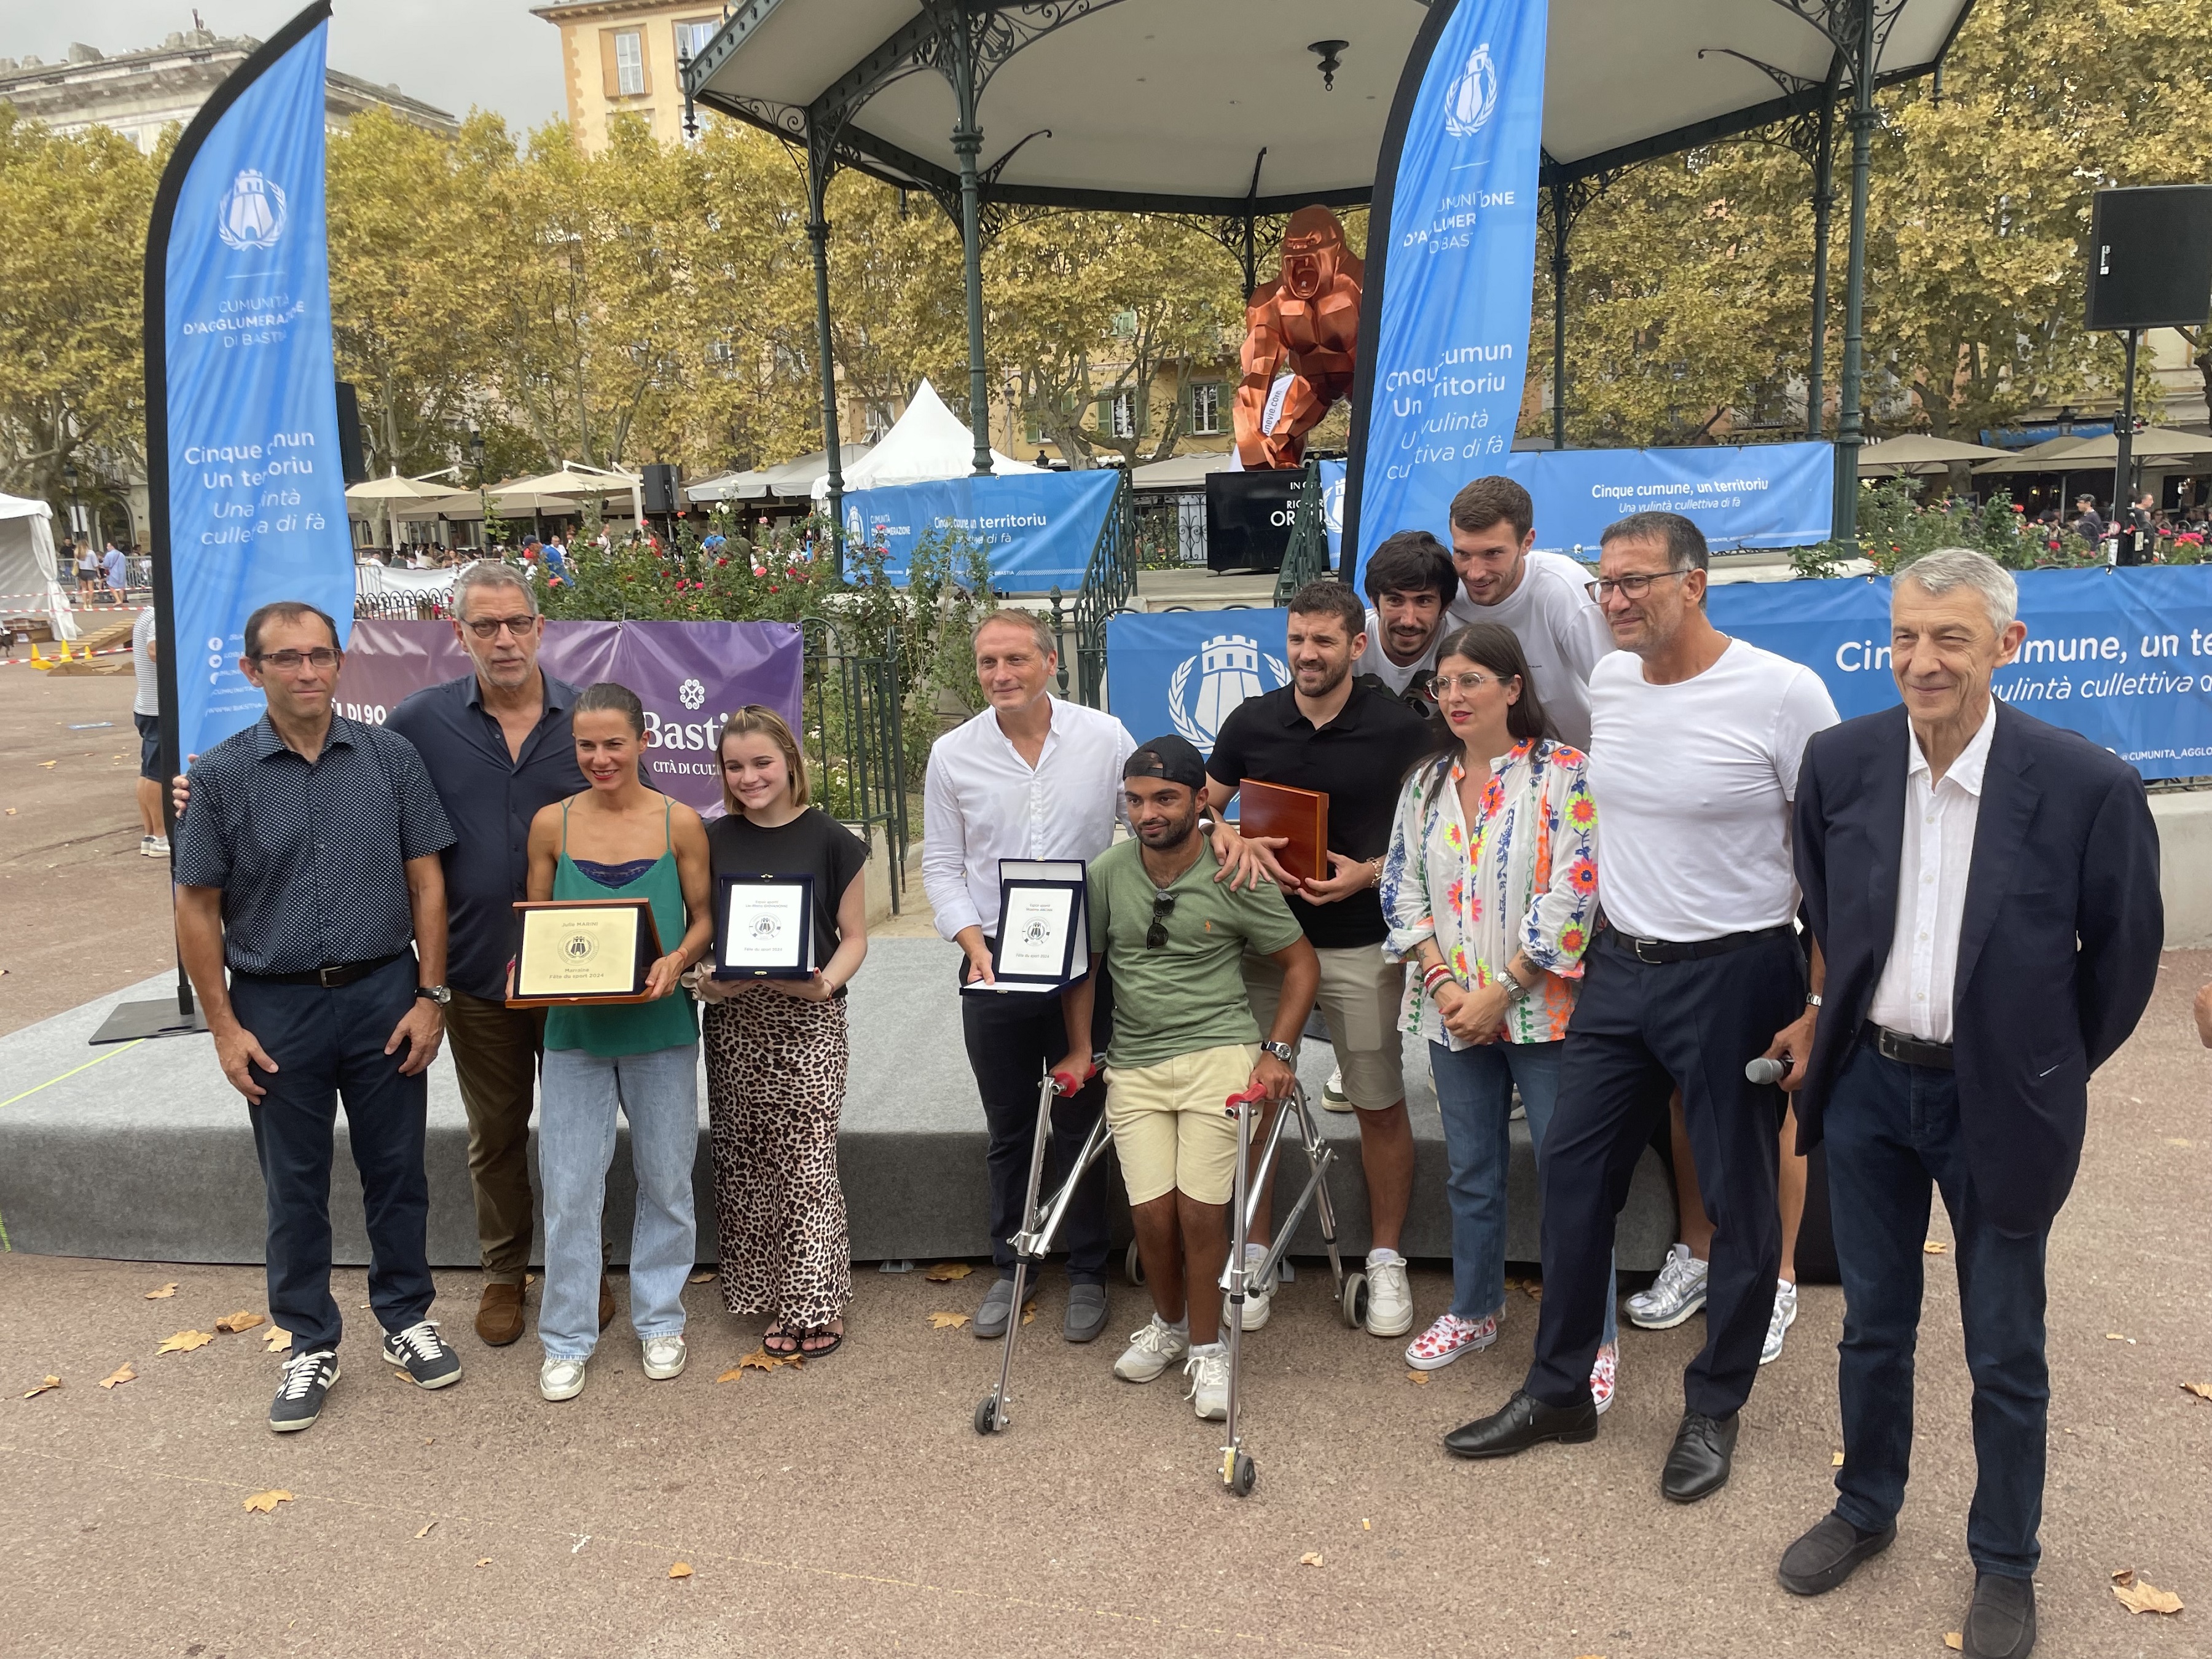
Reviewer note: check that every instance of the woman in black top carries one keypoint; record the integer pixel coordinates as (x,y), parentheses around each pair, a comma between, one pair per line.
(776,1052)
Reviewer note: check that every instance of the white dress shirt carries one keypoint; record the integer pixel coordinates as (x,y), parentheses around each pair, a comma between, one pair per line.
(1914,992)
(982,802)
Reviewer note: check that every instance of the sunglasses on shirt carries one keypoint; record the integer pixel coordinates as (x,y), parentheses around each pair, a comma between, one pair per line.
(1163,907)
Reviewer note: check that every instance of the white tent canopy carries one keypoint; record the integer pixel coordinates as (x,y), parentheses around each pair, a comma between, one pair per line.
(927,443)
(30,581)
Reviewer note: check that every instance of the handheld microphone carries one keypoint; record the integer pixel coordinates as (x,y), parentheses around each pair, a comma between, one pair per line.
(1767,1071)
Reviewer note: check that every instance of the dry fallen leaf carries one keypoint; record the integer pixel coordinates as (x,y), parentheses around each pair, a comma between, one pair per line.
(185,1341)
(2202,1390)
(1029,1312)
(946,1271)
(266,1502)
(1936,1247)
(1534,1289)
(123,1374)
(2114,1336)
(168,1289)
(681,1570)
(947,1321)
(276,1339)
(51,1382)
(2137,1596)
(1418,1379)
(699,1278)
(427,1525)
(1954,1640)
(2123,1575)
(732,1375)
(243,1320)
(1836,1459)
(485,1562)
(1311,1558)
(760,1359)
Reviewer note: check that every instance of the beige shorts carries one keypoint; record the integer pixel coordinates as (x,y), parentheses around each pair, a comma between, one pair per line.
(1359,998)
(1170,1130)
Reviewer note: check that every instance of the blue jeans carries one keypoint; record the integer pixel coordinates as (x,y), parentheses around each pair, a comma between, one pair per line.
(578,1095)
(1475,1092)
(1891,1129)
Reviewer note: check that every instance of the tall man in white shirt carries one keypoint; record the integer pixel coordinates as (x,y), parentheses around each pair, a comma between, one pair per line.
(1030,777)
(1985,889)
(1697,971)
(1541,596)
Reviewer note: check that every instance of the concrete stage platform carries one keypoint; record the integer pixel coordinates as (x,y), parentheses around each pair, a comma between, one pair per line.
(143,1152)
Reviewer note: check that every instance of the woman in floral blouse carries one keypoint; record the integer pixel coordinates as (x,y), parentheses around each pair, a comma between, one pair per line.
(1491,890)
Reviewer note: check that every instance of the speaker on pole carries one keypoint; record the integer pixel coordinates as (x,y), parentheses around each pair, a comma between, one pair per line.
(660,489)
(351,462)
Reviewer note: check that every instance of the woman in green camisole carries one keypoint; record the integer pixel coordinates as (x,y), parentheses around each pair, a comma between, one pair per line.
(620,839)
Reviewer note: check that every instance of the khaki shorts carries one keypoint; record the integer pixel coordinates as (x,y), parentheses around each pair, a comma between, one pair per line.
(1359,998)
(1170,1130)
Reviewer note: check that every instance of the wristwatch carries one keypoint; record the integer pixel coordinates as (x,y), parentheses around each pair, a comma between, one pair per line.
(1812,1000)
(441,995)
(1281,1051)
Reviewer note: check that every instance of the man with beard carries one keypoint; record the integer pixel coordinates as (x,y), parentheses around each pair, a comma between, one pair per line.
(1409,582)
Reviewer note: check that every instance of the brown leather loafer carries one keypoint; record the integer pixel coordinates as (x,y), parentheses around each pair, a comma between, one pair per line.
(498,1315)
(606,1303)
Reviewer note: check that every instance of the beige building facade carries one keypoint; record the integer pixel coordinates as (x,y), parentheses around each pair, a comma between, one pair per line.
(619,58)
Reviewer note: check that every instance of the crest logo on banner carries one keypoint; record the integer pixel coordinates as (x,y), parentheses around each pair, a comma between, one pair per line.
(1228,669)
(252,211)
(1473,96)
(692,694)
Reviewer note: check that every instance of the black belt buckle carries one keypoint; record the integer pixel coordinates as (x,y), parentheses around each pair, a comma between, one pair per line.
(1909,1051)
(334,976)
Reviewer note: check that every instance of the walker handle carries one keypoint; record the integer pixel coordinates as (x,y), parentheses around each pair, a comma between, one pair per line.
(1063,1084)
(1251,1097)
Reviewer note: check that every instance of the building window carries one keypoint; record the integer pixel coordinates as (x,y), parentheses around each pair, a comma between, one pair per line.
(630,63)
(1205,410)
(692,36)
(1123,410)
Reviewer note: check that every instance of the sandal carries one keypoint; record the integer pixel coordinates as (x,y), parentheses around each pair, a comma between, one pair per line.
(831,1341)
(775,1334)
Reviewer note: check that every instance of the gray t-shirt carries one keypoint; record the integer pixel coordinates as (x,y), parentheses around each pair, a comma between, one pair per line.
(149,700)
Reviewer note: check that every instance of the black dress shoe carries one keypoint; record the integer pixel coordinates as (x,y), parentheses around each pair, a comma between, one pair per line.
(1699,1464)
(1526,1421)
(2001,1622)
(1830,1554)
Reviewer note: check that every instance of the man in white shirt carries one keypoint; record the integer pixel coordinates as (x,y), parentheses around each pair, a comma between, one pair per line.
(1409,582)
(1693,766)
(1542,597)
(1032,776)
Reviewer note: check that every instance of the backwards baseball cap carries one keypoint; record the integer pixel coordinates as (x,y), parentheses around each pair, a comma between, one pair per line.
(1172,759)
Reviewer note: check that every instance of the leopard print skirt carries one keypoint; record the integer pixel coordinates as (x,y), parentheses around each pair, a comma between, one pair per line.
(775,1083)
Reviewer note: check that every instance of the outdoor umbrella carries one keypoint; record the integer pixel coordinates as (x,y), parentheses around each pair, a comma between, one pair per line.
(1918,452)
(393,489)
(2156,443)
(2045,457)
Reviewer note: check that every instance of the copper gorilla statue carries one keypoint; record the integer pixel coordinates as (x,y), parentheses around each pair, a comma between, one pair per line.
(1309,319)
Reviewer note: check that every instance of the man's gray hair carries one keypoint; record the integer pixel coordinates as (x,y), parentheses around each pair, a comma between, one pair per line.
(1947,567)
(492,573)
(1014,616)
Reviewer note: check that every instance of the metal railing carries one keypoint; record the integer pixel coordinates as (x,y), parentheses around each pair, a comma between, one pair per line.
(851,726)
(395,606)
(1109,582)
(1306,557)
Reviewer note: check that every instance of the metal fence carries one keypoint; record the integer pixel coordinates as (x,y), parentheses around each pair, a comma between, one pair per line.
(852,726)
(1170,528)
(1109,582)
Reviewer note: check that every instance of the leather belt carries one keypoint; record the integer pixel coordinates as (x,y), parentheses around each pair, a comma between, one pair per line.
(1905,1048)
(330,977)
(1695,950)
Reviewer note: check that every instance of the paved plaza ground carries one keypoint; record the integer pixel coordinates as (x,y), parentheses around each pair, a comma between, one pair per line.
(850,1508)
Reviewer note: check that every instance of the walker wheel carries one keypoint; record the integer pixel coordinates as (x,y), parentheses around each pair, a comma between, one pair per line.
(1243,1472)
(1133,1265)
(987,1415)
(1354,1304)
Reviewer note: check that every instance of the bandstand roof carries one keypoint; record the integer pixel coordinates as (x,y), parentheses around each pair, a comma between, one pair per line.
(1165,105)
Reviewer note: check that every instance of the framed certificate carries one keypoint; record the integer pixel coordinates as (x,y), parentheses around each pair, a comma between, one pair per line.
(763,926)
(582,951)
(1043,943)
(1299,815)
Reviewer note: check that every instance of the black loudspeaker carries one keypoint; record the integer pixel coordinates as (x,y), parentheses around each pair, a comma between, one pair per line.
(351,461)
(660,489)
(2150,258)
(1247,517)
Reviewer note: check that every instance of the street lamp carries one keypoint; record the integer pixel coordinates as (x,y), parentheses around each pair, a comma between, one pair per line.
(483,498)
(68,481)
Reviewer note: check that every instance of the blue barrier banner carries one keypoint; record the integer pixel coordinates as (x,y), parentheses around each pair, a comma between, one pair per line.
(1332,511)
(1039,527)
(2123,657)
(1183,670)
(249,491)
(1443,325)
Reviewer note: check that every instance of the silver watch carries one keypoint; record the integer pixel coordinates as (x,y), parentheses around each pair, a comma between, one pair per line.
(1281,1051)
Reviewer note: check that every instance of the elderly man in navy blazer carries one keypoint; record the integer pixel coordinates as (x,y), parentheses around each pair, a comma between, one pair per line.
(1985,890)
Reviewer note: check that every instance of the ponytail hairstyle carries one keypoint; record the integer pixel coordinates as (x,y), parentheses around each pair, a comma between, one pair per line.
(758,719)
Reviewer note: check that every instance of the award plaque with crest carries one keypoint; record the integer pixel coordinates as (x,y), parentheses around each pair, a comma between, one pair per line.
(1043,942)
(763,926)
(581,951)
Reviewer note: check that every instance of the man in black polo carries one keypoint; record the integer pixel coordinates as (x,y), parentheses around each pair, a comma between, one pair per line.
(308,865)
(1328,732)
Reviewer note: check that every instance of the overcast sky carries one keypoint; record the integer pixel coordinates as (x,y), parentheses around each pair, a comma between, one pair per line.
(452,53)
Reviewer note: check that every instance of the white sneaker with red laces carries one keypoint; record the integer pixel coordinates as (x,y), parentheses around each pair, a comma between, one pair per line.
(1605,1377)
(1451,1337)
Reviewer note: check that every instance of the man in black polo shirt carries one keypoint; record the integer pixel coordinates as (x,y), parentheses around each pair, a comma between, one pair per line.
(308,863)
(1327,731)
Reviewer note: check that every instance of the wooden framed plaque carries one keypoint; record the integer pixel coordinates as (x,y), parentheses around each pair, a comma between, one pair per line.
(763,926)
(1301,816)
(581,951)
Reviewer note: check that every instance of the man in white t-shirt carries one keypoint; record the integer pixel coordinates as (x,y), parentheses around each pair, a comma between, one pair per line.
(1409,582)
(1541,596)
(1696,971)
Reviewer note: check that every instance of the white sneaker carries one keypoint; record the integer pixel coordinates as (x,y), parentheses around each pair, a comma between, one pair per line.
(1779,1321)
(1333,1096)
(157,846)
(663,1356)
(1152,1351)
(1208,1370)
(1678,1292)
(1451,1337)
(561,1379)
(1259,1299)
(1389,1296)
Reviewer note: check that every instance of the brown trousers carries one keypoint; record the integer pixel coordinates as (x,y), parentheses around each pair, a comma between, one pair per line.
(495,1051)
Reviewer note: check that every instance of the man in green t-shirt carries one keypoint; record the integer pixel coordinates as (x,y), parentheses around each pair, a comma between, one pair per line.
(1184,1041)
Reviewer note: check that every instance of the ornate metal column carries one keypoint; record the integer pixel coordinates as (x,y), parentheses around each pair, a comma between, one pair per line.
(1569,200)
(961,47)
(1848,417)
(1824,204)
(821,164)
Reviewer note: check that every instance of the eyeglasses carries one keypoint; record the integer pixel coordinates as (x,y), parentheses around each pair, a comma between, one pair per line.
(487,627)
(1163,907)
(1466,684)
(285,661)
(1632,587)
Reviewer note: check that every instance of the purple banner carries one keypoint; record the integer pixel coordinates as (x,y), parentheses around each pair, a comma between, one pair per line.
(688,675)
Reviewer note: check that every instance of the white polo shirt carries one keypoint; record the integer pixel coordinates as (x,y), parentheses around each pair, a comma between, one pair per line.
(1562,633)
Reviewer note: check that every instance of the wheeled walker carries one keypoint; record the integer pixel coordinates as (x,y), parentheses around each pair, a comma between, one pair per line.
(1034,1242)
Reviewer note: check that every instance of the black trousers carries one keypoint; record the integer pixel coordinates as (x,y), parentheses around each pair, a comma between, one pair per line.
(1013,1037)
(329,1045)
(1640,1030)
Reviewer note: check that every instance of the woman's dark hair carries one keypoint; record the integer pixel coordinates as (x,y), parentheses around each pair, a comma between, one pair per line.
(1494,646)
(607,697)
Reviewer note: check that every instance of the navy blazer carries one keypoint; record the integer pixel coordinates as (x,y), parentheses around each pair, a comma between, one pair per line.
(2057,951)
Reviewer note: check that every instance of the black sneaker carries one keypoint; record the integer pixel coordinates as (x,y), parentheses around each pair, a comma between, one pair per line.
(307,1379)
(422,1354)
